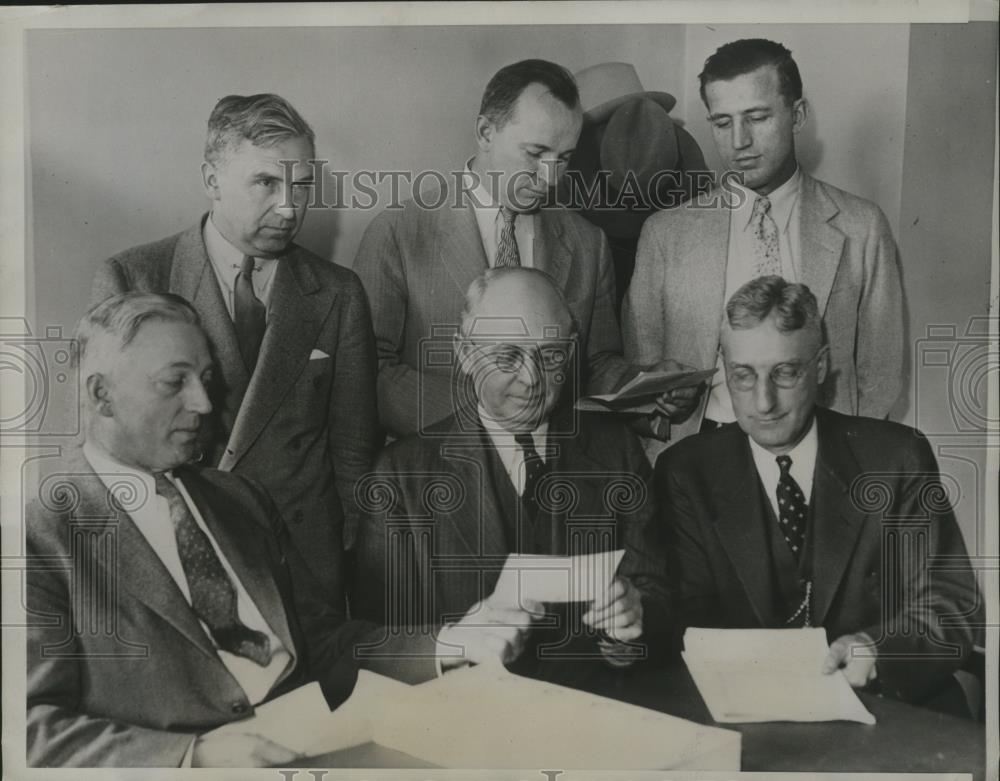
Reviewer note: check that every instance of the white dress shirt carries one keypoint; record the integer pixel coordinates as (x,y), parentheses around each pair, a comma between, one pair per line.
(511,454)
(803,457)
(741,266)
(490,222)
(227,261)
(151,514)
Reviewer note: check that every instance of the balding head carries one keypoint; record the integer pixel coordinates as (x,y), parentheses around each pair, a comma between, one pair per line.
(516,343)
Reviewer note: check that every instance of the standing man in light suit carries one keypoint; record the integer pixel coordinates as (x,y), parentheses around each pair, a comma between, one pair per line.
(295,391)
(779,221)
(418,261)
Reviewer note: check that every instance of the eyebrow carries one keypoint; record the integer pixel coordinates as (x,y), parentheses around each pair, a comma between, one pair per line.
(751,110)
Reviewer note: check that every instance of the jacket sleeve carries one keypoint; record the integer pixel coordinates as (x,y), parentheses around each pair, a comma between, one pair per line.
(880,346)
(606,367)
(406,398)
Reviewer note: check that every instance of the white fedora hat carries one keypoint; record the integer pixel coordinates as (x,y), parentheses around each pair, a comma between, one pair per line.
(606,86)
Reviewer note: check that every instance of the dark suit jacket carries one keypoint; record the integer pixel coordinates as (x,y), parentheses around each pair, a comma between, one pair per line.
(433,542)
(674,307)
(304,427)
(417,263)
(888,557)
(120,671)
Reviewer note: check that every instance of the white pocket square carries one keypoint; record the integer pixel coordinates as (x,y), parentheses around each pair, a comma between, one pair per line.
(317,354)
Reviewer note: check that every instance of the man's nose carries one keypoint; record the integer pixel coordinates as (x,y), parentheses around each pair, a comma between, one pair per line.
(548,171)
(197,399)
(742,137)
(529,372)
(291,199)
(765,394)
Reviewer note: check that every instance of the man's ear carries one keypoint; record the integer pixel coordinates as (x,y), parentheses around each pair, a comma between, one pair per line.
(822,364)
(484,132)
(98,395)
(210,178)
(800,113)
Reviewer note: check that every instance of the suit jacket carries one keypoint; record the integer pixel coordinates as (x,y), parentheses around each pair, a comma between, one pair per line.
(303,426)
(674,307)
(888,557)
(417,263)
(433,542)
(120,671)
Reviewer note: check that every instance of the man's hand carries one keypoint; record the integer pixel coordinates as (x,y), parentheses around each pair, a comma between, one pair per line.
(239,750)
(678,404)
(617,612)
(855,655)
(488,632)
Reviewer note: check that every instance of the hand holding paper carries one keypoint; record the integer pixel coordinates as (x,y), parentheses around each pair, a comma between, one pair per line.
(490,632)
(232,749)
(643,392)
(678,403)
(855,656)
(617,611)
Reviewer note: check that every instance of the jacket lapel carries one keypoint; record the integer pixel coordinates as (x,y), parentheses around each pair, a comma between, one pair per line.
(837,522)
(822,244)
(296,312)
(740,523)
(460,247)
(238,549)
(703,261)
(551,254)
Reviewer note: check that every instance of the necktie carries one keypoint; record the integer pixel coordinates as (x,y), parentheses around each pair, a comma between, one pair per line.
(766,252)
(791,508)
(213,596)
(249,315)
(507,252)
(534,471)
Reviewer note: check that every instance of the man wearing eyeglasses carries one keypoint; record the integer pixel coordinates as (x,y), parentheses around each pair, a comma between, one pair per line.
(796,515)
(515,470)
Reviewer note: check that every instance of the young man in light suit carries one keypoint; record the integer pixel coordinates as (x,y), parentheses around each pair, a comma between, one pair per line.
(781,221)
(295,391)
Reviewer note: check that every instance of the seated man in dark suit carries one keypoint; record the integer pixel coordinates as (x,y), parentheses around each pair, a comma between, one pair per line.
(165,599)
(796,515)
(513,471)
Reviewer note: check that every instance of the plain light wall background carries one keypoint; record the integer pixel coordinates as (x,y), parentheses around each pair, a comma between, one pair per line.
(902,115)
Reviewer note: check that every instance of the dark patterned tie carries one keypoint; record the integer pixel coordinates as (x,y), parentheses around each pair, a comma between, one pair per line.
(213,596)
(249,315)
(766,252)
(534,471)
(792,510)
(507,252)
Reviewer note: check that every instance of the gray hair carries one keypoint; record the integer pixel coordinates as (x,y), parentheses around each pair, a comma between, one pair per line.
(110,326)
(474,295)
(792,306)
(263,120)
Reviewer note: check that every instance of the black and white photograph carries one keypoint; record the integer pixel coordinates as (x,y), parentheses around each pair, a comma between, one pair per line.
(531,390)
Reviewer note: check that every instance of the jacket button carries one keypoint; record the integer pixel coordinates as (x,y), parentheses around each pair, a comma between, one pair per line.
(240,707)
(297,516)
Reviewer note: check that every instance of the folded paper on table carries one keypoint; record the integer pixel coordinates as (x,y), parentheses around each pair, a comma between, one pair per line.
(555,578)
(754,675)
(302,721)
(487,717)
(638,394)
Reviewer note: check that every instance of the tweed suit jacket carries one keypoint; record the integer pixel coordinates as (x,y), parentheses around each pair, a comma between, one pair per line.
(417,263)
(887,555)
(304,424)
(120,670)
(674,306)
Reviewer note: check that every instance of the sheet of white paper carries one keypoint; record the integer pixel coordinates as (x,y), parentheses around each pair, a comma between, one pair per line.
(302,721)
(640,388)
(753,675)
(485,716)
(556,578)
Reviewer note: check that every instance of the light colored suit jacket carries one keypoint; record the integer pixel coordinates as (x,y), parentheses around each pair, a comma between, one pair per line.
(417,263)
(887,555)
(120,671)
(305,424)
(674,307)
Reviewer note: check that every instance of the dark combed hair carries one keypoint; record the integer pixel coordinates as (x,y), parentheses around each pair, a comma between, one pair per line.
(792,305)
(744,56)
(263,120)
(508,83)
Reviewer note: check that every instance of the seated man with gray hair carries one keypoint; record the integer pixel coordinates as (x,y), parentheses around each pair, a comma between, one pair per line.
(796,515)
(513,471)
(164,599)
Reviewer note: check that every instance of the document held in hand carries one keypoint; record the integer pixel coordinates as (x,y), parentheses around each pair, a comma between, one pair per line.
(555,578)
(753,675)
(638,394)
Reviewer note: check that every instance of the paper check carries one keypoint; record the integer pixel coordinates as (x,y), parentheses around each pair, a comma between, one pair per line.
(556,578)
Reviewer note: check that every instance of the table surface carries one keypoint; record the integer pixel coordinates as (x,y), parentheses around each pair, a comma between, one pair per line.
(904,739)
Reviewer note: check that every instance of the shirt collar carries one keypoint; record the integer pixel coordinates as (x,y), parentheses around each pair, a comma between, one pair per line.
(803,454)
(783,201)
(227,259)
(108,468)
(502,436)
(482,198)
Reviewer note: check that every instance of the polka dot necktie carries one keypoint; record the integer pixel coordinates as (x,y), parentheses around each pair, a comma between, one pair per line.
(507,252)
(213,596)
(791,508)
(249,315)
(534,471)
(766,252)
